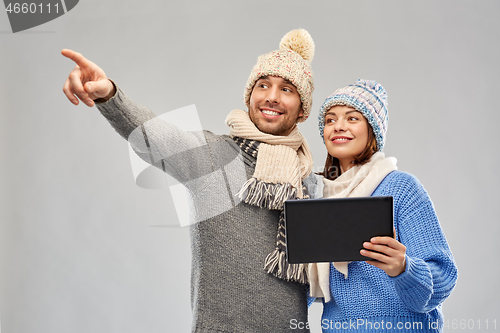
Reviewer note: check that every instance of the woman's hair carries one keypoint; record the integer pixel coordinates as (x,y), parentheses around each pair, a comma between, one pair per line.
(332,165)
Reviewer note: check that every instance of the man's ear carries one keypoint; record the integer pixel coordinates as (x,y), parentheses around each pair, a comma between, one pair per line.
(301,114)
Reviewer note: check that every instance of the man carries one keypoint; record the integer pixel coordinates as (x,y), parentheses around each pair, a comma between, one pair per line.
(241,281)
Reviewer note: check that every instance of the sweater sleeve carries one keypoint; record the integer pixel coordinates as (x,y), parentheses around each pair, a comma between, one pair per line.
(430,273)
(184,155)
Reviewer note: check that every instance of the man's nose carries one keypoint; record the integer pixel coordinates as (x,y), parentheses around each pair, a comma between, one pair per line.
(273,95)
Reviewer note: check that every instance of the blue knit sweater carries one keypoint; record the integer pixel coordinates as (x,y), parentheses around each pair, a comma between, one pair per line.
(371,301)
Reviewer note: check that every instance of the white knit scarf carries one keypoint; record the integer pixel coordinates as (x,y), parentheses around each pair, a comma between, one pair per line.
(282,163)
(359,181)
(281,159)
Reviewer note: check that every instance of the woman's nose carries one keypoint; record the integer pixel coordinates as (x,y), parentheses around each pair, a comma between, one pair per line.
(340,126)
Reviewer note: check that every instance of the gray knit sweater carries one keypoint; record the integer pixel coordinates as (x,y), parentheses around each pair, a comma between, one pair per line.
(230,291)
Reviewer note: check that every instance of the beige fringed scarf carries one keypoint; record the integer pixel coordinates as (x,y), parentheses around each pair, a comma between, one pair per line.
(282,163)
(359,181)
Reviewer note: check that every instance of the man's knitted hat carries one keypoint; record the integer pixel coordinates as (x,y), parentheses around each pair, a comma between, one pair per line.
(291,62)
(367,97)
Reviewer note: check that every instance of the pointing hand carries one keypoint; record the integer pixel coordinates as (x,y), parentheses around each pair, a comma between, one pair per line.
(87,81)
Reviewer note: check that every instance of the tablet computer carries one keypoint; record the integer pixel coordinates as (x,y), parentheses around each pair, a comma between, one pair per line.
(328,230)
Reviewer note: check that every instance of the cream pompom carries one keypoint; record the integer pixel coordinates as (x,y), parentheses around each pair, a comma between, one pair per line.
(300,42)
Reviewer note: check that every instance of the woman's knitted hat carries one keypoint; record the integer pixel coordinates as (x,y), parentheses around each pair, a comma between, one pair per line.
(367,97)
(291,62)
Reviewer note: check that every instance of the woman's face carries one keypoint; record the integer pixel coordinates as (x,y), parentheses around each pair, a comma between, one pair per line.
(345,134)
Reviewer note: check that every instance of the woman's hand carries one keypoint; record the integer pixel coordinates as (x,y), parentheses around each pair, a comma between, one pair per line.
(391,258)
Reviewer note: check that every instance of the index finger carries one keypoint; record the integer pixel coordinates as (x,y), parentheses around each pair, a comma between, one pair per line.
(385,240)
(76,57)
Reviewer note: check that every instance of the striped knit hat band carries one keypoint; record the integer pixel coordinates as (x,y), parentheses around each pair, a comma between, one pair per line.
(367,97)
(291,62)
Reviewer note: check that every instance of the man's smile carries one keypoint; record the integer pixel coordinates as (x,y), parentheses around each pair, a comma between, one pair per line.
(270,113)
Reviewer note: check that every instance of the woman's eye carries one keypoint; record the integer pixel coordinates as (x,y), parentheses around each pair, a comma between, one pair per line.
(287,89)
(353,119)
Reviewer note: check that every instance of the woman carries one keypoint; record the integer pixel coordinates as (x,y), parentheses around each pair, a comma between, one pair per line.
(404,287)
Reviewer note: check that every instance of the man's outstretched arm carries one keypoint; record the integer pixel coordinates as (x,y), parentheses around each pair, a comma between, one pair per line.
(185,155)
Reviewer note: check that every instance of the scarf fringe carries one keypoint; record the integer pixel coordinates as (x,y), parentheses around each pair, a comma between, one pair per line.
(266,195)
(277,265)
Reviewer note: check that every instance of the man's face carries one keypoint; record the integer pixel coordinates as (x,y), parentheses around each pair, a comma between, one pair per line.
(275,105)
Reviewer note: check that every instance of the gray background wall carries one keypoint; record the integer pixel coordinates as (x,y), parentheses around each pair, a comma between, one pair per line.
(84,249)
